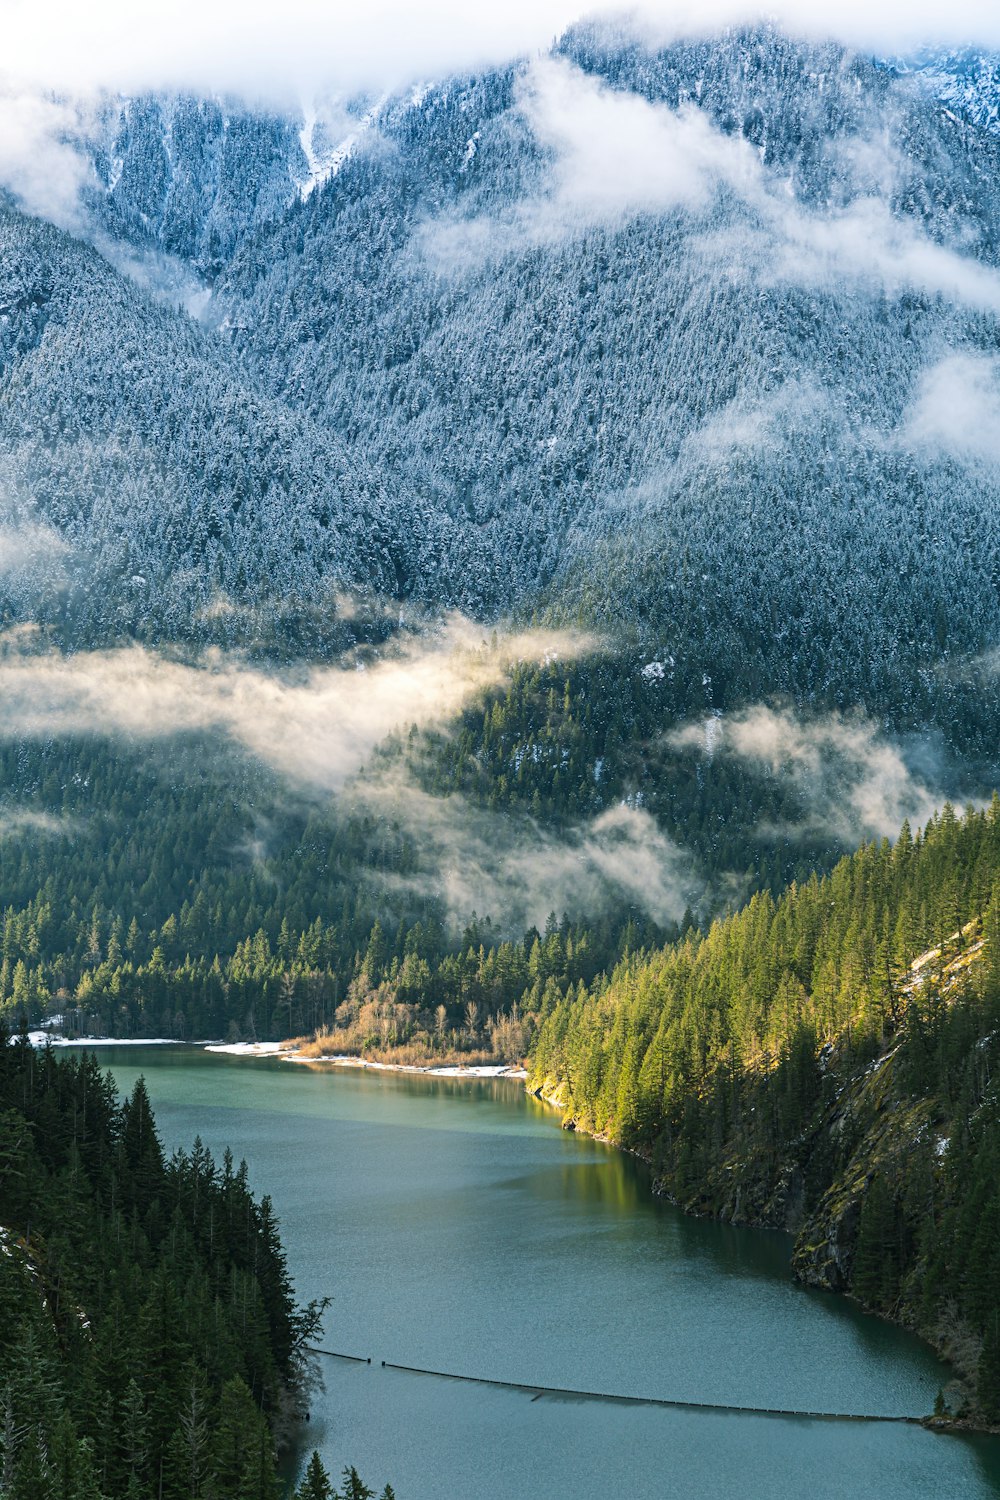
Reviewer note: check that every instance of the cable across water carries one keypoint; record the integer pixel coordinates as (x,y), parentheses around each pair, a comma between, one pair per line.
(536,1391)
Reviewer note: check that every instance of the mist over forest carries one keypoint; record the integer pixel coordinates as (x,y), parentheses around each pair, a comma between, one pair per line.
(500,568)
(683,354)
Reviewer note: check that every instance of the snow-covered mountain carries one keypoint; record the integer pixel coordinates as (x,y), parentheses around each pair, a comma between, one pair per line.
(701,342)
(195,176)
(966,80)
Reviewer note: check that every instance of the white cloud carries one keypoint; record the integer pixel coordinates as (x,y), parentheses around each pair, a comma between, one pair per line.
(892,27)
(256,46)
(509,868)
(771,419)
(957,409)
(865,243)
(39,163)
(259,48)
(612,155)
(855,783)
(29,548)
(317,729)
(616,153)
(19,820)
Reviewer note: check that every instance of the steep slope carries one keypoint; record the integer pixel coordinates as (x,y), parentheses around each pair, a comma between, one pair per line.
(159,492)
(967,81)
(712,396)
(114,1267)
(720,401)
(812,1064)
(697,344)
(194,176)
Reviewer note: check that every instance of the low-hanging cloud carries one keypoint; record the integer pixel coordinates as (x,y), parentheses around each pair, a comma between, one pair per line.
(956,410)
(253,47)
(757,423)
(40,163)
(866,244)
(853,782)
(16,821)
(515,871)
(612,154)
(615,153)
(316,728)
(862,245)
(28,547)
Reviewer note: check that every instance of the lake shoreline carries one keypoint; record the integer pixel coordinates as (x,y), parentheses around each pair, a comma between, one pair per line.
(285,1053)
(348,1060)
(554,1097)
(550,1096)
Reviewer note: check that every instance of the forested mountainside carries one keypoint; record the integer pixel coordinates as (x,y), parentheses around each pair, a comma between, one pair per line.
(448,374)
(826,1062)
(144,475)
(692,351)
(150,1342)
(218,906)
(966,80)
(174,887)
(733,421)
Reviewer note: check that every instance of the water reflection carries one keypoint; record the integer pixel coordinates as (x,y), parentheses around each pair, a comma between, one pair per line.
(460,1229)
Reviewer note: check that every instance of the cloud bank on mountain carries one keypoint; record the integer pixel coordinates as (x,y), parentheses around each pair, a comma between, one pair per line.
(255,47)
(316,728)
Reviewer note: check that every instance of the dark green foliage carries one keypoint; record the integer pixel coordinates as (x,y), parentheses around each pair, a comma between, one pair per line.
(989,1375)
(315,1482)
(156,915)
(149,1340)
(875,1279)
(316,1485)
(565,742)
(793,1065)
(354,1489)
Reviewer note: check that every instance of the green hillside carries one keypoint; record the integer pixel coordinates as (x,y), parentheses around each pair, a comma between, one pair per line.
(826,1062)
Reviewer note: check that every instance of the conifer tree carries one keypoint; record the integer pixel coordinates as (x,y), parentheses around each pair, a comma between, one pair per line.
(315,1483)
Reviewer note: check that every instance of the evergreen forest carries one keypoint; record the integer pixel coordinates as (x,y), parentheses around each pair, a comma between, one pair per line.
(827,1062)
(150,1341)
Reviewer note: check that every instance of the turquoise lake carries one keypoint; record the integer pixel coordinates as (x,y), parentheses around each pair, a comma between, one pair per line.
(458,1228)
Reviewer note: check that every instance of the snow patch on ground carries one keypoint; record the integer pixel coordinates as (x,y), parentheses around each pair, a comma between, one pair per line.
(325,160)
(250,1049)
(277,1049)
(290,1054)
(487,1070)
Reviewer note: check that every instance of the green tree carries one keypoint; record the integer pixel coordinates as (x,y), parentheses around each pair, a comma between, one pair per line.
(354,1488)
(315,1484)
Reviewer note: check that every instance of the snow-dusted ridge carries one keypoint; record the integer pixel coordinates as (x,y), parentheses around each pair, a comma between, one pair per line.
(965,79)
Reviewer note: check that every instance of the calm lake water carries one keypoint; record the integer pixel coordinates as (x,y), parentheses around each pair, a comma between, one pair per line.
(458,1228)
